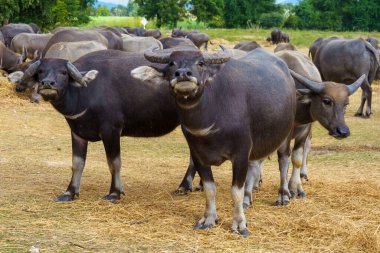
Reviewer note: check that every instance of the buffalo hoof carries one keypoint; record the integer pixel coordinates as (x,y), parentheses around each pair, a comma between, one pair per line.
(64,198)
(246,206)
(283,200)
(182,191)
(203,226)
(244,232)
(301,195)
(111,197)
(304,178)
(199,188)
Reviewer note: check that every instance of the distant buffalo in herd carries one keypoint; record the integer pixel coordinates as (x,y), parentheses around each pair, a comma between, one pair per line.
(240,104)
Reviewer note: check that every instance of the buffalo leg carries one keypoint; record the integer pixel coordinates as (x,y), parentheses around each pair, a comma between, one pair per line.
(79,151)
(369,98)
(252,181)
(366,96)
(210,217)
(112,147)
(187,182)
(239,175)
(306,150)
(283,154)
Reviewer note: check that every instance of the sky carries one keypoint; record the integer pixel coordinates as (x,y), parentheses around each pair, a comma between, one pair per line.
(123,2)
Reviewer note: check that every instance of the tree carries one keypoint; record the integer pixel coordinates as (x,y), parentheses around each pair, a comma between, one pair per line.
(206,10)
(167,12)
(103,11)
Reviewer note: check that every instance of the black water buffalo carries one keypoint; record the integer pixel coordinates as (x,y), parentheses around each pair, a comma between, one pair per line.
(100,101)
(199,39)
(247,45)
(284,46)
(74,36)
(276,36)
(285,37)
(11,30)
(175,42)
(345,60)
(238,111)
(9,60)
(317,43)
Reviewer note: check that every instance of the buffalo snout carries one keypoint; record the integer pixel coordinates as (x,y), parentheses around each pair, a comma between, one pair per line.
(183,74)
(341,132)
(47,83)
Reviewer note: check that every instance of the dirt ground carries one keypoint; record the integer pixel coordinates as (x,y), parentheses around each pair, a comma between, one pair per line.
(340,214)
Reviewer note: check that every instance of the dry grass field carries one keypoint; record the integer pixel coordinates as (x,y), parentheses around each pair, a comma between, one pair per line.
(340,214)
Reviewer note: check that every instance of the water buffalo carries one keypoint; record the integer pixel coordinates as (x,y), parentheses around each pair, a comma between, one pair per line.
(136,31)
(64,28)
(113,37)
(100,101)
(140,44)
(345,60)
(9,60)
(285,37)
(31,42)
(284,46)
(11,30)
(72,51)
(74,36)
(247,45)
(374,42)
(199,39)
(229,110)
(317,43)
(277,36)
(155,33)
(175,42)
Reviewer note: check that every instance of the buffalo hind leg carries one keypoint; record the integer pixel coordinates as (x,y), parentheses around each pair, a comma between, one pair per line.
(366,96)
(252,181)
(210,217)
(79,151)
(112,147)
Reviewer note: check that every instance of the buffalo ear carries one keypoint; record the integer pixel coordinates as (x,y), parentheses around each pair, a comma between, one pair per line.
(304,95)
(148,75)
(88,76)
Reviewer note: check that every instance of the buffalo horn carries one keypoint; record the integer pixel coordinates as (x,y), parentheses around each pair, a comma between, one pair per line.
(223,48)
(354,86)
(218,58)
(31,70)
(75,74)
(24,54)
(312,85)
(157,56)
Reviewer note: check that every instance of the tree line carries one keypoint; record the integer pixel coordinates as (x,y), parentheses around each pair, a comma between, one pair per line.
(335,15)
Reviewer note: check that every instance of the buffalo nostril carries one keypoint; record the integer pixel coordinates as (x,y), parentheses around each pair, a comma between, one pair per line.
(188,73)
(52,83)
(343,131)
(177,74)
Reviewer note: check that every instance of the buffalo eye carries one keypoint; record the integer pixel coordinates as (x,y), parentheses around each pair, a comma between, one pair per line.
(201,63)
(327,102)
(40,71)
(64,72)
(171,63)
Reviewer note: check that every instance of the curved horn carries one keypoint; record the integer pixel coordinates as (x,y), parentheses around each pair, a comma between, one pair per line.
(223,48)
(354,86)
(24,54)
(157,56)
(218,58)
(312,85)
(75,74)
(31,70)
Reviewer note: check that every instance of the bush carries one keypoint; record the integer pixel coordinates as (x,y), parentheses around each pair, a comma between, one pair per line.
(216,22)
(269,20)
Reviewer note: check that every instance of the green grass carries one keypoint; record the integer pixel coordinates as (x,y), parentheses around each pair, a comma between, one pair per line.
(297,37)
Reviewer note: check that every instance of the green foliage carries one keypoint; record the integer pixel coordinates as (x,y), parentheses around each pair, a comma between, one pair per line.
(338,15)
(239,13)
(117,21)
(166,12)
(206,10)
(103,11)
(269,20)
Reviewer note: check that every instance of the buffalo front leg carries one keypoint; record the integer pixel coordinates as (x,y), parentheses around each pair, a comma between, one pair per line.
(239,171)
(111,143)
(210,217)
(79,151)
(295,184)
(252,181)
(306,151)
(187,182)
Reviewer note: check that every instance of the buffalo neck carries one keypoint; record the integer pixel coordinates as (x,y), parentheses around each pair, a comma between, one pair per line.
(71,103)
(303,115)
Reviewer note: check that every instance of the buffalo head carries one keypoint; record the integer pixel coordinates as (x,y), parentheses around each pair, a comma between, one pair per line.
(53,77)
(328,102)
(187,72)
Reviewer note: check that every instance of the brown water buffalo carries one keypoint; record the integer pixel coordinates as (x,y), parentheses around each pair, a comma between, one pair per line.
(155,33)
(72,51)
(175,42)
(140,44)
(31,42)
(64,28)
(11,30)
(9,60)
(247,45)
(228,110)
(284,46)
(317,43)
(199,39)
(345,60)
